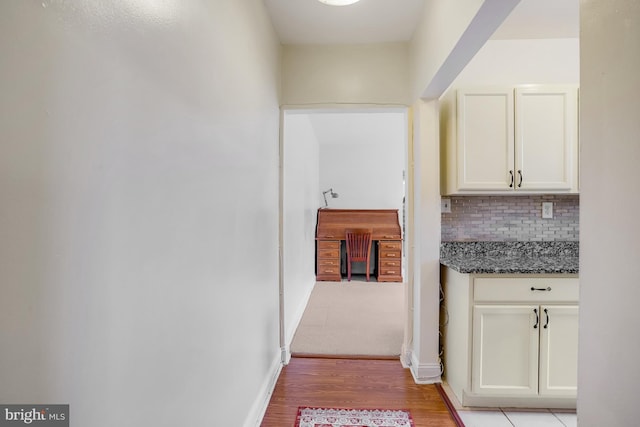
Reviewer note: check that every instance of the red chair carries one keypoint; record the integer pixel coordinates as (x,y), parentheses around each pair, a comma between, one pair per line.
(358,248)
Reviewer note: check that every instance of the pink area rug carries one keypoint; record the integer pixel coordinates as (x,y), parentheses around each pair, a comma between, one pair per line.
(331,417)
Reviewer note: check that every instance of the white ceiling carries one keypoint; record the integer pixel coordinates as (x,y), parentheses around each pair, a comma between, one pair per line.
(368,21)
(379,21)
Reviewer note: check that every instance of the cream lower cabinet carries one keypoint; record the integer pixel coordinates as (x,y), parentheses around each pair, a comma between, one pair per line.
(511,340)
(505,350)
(559,351)
(525,350)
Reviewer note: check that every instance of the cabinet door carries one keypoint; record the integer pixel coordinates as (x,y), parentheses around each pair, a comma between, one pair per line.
(505,349)
(546,138)
(559,351)
(485,144)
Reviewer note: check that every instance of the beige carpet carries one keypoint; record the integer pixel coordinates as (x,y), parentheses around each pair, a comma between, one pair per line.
(352,319)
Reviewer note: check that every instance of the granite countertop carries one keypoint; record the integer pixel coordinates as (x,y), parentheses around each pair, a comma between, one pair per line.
(511,257)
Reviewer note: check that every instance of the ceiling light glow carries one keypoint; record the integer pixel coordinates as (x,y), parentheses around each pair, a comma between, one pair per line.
(338,2)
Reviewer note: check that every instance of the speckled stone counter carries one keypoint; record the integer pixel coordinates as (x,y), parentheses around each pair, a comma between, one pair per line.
(511,257)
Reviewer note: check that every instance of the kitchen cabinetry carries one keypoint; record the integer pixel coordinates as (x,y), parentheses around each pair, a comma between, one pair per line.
(519,350)
(506,139)
(511,340)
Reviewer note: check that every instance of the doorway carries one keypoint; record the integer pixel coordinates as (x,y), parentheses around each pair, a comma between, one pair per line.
(358,154)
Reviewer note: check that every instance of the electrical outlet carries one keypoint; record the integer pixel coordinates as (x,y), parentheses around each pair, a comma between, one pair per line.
(547,209)
(445,205)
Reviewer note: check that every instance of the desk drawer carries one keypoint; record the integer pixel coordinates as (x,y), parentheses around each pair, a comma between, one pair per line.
(390,263)
(385,245)
(331,233)
(389,273)
(328,270)
(329,253)
(329,263)
(328,244)
(386,254)
(386,233)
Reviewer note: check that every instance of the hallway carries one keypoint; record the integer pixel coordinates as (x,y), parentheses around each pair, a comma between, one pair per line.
(353,384)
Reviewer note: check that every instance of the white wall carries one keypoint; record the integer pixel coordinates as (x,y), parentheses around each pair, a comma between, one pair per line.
(523,61)
(609,203)
(346,74)
(139,216)
(300,193)
(362,157)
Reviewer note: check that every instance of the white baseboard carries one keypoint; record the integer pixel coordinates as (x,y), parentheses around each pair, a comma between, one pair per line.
(259,407)
(285,354)
(508,401)
(425,373)
(296,319)
(405,356)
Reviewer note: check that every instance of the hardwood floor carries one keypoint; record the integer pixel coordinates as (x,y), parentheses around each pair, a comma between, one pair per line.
(356,384)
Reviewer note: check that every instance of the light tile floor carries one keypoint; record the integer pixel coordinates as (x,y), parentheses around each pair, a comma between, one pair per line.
(518,418)
(510,417)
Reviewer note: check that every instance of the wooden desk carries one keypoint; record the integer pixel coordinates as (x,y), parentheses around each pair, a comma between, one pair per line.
(330,232)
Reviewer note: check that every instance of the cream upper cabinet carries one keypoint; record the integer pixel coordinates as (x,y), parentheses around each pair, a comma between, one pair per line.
(510,139)
(546,128)
(485,144)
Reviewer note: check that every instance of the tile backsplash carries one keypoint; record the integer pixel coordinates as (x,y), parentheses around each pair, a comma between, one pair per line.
(511,218)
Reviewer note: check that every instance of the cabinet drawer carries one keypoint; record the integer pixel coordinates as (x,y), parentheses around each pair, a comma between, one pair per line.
(390,246)
(522,289)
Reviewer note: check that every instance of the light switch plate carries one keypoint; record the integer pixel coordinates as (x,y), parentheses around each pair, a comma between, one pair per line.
(547,209)
(445,205)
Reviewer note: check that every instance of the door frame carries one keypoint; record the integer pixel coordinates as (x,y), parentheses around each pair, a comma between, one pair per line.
(408,220)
